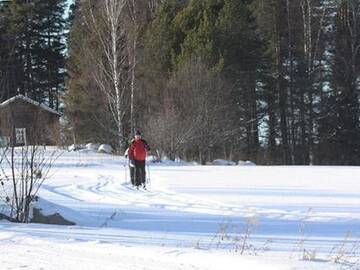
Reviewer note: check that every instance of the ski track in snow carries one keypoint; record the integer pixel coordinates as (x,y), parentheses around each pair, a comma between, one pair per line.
(183,207)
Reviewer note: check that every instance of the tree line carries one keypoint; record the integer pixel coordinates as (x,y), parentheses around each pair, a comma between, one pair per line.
(274,81)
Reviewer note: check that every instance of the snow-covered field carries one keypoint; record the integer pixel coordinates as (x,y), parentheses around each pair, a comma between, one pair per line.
(192,217)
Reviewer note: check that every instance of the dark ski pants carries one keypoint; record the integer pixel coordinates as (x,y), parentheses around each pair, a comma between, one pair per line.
(138,173)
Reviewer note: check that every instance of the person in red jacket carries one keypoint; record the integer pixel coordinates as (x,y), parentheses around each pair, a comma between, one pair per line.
(137,153)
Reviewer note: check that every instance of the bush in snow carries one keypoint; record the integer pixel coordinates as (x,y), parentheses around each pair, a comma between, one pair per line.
(238,237)
(347,252)
(23,171)
(105,148)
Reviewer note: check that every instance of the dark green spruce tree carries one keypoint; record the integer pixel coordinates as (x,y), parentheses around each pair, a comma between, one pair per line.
(36,49)
(8,80)
(272,25)
(49,50)
(346,115)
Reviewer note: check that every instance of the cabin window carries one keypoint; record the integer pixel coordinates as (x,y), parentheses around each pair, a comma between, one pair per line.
(20,134)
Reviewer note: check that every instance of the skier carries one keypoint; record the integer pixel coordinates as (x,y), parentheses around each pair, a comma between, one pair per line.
(137,153)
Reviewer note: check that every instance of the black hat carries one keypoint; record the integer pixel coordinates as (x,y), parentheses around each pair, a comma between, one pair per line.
(137,133)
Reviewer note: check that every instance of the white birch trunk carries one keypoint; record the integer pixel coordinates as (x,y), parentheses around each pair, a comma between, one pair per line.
(108,27)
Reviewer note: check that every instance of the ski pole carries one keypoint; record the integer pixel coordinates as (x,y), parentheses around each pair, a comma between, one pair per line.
(127,163)
(125,173)
(148,175)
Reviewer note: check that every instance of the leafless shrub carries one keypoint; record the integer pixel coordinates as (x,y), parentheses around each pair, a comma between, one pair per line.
(194,116)
(22,172)
(305,254)
(237,238)
(347,252)
(309,255)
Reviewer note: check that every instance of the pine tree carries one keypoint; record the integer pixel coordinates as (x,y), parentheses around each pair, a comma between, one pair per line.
(239,46)
(161,44)
(271,20)
(345,82)
(8,83)
(50,22)
(221,34)
(36,59)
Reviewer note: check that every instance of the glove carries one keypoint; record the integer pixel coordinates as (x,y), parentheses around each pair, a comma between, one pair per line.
(131,163)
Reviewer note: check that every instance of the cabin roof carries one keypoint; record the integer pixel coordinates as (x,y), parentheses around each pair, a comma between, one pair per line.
(31,101)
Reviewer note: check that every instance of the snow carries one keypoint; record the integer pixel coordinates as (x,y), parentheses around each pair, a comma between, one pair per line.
(191,217)
(246,163)
(223,162)
(75,147)
(92,146)
(105,148)
(30,101)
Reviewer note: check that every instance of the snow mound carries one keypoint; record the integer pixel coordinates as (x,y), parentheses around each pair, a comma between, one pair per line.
(105,148)
(165,161)
(223,162)
(246,163)
(92,146)
(75,147)
(151,158)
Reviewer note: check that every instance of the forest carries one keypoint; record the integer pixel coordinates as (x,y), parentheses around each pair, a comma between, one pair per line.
(271,81)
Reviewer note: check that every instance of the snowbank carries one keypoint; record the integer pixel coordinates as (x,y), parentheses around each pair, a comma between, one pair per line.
(75,147)
(246,163)
(223,162)
(168,162)
(105,148)
(92,146)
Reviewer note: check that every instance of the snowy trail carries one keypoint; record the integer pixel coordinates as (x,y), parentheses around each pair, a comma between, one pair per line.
(183,211)
(175,205)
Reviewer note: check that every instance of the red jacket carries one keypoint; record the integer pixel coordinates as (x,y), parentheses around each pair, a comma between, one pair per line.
(138,150)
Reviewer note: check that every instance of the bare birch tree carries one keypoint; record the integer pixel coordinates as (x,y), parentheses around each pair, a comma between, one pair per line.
(104,19)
